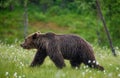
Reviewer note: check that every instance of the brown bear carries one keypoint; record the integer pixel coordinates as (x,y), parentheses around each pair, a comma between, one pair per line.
(60,47)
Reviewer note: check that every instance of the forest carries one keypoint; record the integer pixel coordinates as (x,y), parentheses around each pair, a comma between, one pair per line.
(19,18)
(75,16)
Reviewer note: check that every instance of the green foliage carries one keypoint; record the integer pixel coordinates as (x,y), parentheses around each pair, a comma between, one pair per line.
(40,16)
(10,26)
(14,63)
(9,3)
(55,10)
(78,16)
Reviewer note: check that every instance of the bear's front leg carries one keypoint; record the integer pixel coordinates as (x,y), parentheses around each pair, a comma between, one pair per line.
(58,60)
(38,58)
(55,54)
(56,57)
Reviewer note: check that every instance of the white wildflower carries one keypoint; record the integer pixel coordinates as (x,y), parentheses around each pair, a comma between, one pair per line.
(110,64)
(89,61)
(90,71)
(13,53)
(110,74)
(83,73)
(86,66)
(104,72)
(76,68)
(93,61)
(97,63)
(118,75)
(11,46)
(63,75)
(87,70)
(117,68)
(19,77)
(23,76)
(91,77)
(58,74)
(21,64)
(7,73)
(15,74)
(117,48)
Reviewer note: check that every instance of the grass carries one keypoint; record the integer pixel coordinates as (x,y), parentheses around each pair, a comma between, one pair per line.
(14,63)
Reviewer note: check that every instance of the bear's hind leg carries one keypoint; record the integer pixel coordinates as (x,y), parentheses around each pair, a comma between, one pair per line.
(75,63)
(38,58)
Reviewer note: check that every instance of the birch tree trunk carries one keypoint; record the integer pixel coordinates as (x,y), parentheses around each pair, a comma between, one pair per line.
(25,19)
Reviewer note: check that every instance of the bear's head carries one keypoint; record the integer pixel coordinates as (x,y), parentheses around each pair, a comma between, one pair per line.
(30,41)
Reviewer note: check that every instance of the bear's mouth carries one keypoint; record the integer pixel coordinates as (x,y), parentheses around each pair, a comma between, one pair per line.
(26,47)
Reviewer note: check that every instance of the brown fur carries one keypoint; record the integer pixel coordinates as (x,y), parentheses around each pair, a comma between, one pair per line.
(60,47)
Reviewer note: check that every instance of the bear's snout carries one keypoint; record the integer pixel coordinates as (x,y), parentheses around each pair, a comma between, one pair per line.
(22,45)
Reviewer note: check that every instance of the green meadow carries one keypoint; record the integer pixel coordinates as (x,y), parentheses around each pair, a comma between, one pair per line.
(15,61)
(78,17)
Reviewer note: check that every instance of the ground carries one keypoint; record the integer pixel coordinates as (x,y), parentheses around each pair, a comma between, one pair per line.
(13,63)
(49,26)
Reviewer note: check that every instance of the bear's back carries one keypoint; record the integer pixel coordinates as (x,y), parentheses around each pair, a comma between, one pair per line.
(71,45)
(70,39)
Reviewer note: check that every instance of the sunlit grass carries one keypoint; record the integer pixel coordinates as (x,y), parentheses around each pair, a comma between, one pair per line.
(15,61)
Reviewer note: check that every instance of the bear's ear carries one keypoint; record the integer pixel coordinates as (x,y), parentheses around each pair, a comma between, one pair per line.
(35,35)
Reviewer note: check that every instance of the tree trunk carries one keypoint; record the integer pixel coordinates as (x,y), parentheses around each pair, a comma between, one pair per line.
(11,7)
(105,27)
(25,19)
